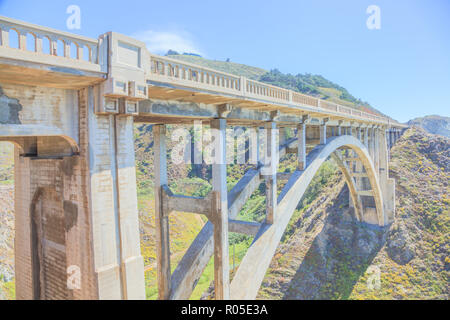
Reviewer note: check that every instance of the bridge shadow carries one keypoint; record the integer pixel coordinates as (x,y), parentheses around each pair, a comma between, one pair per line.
(341,249)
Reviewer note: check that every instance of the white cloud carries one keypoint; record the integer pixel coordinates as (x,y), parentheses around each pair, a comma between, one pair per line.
(159,42)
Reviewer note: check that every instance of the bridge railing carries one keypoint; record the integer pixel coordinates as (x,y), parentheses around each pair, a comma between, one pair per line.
(30,38)
(191,75)
(259,90)
(164,69)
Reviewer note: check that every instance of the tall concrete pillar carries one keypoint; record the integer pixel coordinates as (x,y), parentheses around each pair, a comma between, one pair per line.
(77,234)
(323,133)
(118,263)
(377,148)
(220,214)
(161,217)
(372,143)
(301,154)
(270,172)
(387,185)
(366,137)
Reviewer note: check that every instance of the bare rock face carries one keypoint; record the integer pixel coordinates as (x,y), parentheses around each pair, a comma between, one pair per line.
(433,124)
(9,109)
(400,246)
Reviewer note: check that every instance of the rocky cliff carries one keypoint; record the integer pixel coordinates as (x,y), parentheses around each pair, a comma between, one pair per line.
(433,124)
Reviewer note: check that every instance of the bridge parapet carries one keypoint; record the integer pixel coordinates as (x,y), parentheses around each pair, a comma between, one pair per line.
(35,55)
(172,72)
(42,44)
(186,74)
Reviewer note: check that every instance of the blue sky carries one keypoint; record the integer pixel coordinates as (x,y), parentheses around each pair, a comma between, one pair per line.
(403,69)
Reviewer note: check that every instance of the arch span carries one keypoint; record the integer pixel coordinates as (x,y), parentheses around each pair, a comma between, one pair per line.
(248,278)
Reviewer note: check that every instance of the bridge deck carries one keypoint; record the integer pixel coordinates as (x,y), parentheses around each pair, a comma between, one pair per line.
(40,56)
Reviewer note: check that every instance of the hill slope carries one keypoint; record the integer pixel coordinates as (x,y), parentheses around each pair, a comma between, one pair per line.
(433,124)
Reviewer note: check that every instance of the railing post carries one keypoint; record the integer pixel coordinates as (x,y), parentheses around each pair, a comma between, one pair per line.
(22,40)
(80,52)
(220,212)
(243,83)
(67,49)
(39,44)
(53,46)
(161,217)
(4,33)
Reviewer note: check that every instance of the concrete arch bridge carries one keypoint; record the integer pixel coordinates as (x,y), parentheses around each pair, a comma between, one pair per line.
(69,104)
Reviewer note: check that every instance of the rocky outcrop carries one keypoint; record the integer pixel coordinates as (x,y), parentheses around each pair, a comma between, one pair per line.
(433,124)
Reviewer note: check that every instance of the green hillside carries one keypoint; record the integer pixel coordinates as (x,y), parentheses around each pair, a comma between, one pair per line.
(229,67)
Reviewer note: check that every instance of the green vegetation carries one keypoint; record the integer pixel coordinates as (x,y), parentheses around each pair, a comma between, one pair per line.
(7,289)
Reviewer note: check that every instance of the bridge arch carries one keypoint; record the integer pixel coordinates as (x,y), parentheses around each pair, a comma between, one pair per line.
(247,280)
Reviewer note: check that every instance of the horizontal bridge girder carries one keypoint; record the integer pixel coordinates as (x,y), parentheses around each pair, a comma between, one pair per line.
(366,193)
(244,227)
(360,174)
(351,159)
(283,175)
(180,203)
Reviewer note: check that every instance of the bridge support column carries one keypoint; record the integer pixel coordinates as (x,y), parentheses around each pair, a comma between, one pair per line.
(282,135)
(387,185)
(301,153)
(270,171)
(377,149)
(161,217)
(358,168)
(119,266)
(220,212)
(366,137)
(372,143)
(323,132)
